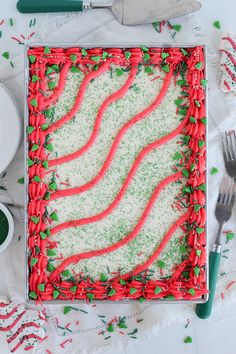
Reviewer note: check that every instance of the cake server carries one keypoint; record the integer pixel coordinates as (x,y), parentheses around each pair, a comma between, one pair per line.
(127,12)
(223,213)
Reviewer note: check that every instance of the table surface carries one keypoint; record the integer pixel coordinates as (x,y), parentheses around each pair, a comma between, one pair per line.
(215,335)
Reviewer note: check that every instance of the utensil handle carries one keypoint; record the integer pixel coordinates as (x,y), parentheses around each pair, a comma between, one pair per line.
(204,310)
(35,6)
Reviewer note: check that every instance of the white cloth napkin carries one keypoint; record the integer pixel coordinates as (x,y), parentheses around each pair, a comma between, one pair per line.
(88,328)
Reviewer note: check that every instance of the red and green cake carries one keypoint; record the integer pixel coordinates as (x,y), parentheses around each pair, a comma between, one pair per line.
(116,174)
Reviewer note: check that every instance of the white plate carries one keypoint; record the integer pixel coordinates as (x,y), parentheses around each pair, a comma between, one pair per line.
(10,128)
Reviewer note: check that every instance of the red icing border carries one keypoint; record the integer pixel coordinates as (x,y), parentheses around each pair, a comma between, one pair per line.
(121,286)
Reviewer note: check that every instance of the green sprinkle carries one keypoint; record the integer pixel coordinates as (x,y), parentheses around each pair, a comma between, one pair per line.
(191,291)
(54,216)
(217,24)
(50,267)
(74,69)
(144,49)
(73,58)
(34,103)
(198,253)
(84,52)
(196,271)
(177,156)
(186,173)
(177,27)
(183,249)
(197,103)
(201,143)
(161,264)
(181,82)
(156,26)
(49,147)
(35,147)
(73,289)
(30,162)
(198,65)
(35,219)
(104,55)
(33,261)
(45,164)
(41,287)
(204,120)
(33,295)
(169,297)
(119,72)
(66,310)
(37,179)
(214,171)
(197,207)
(111,292)
(142,299)
(146,56)
(11,22)
(55,294)
(148,70)
(132,291)
(122,282)
(51,252)
(230,236)
(47,196)
(43,235)
(192,119)
(202,187)
(157,290)
(199,230)
(52,186)
(6,55)
(47,50)
(127,55)
(188,340)
(51,85)
(184,52)
(187,189)
(96,58)
(164,55)
(166,68)
(110,328)
(204,82)
(65,273)
(103,277)
(49,70)
(90,296)
(32,58)
(30,129)
(21,180)
(35,78)
(44,126)
(178,101)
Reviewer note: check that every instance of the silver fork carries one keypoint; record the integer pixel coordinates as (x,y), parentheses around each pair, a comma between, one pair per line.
(223,211)
(228,140)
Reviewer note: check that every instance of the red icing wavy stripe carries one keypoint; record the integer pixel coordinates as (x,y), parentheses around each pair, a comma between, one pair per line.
(108,161)
(78,257)
(4,317)
(229,55)
(21,329)
(26,338)
(8,328)
(141,156)
(92,75)
(230,40)
(231,74)
(114,97)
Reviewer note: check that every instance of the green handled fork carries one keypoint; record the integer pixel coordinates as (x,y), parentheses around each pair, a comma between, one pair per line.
(223,213)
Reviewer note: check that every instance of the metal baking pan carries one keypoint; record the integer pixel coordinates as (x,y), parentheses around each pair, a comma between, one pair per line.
(91,45)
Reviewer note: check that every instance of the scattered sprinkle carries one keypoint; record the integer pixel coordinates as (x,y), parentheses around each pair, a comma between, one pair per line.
(217,24)
(214,171)
(188,339)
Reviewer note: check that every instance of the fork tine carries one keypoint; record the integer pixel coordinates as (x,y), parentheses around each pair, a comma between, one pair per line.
(228,144)
(223,144)
(233,143)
